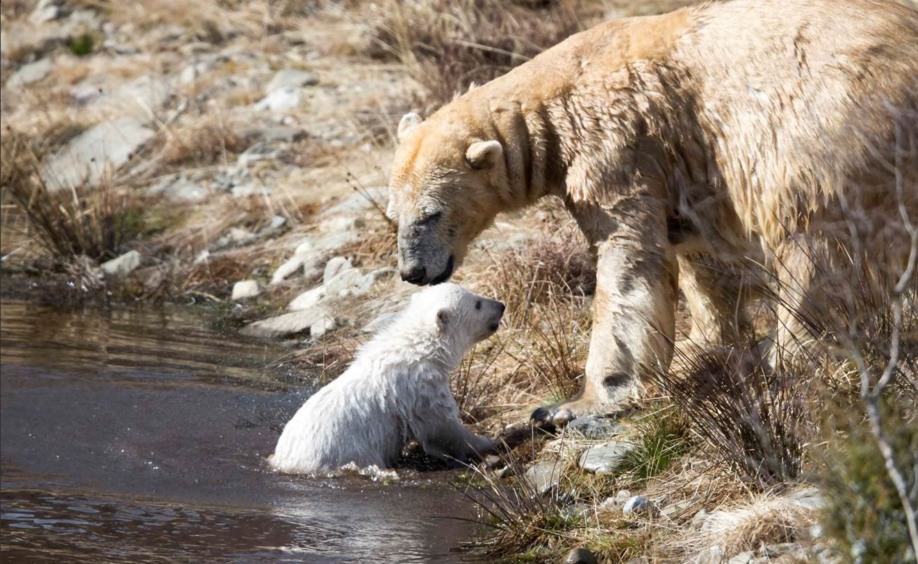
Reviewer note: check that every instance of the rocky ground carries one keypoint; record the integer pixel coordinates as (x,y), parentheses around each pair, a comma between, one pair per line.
(247,146)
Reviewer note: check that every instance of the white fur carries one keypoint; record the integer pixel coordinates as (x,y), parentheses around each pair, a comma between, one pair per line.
(396,390)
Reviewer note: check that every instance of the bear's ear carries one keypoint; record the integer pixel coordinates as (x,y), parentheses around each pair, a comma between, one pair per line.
(483,154)
(443,318)
(407,124)
(391,209)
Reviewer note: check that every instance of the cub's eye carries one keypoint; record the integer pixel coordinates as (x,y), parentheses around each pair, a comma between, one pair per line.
(478,304)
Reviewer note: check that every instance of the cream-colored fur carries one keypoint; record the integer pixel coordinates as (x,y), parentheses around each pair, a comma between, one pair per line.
(396,390)
(688,146)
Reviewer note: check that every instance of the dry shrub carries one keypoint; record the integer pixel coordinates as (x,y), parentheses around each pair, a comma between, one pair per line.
(517,517)
(552,268)
(475,384)
(200,144)
(216,275)
(93,221)
(207,20)
(750,415)
(765,521)
(555,346)
(449,45)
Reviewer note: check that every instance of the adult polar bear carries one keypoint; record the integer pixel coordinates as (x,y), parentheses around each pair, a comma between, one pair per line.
(745,130)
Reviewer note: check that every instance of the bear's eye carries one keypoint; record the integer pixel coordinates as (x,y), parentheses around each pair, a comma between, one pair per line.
(430,217)
(478,304)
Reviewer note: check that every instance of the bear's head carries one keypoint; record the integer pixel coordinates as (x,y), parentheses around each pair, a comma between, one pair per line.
(461,316)
(444,191)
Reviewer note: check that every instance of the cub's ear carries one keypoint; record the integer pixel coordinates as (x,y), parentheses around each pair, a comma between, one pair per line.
(409,121)
(443,319)
(483,154)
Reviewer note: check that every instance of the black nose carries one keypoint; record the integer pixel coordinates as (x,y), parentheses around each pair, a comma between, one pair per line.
(502,306)
(414,275)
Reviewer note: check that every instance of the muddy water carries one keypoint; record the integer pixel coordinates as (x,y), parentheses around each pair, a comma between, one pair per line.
(140,437)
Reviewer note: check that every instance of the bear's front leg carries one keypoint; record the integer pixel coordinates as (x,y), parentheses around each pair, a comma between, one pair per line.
(634,306)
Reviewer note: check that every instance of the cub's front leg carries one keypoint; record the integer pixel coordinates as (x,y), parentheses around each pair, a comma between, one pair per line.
(634,306)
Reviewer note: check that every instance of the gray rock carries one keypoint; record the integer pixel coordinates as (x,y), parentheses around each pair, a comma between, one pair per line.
(637,504)
(677,508)
(122,266)
(605,458)
(281,100)
(743,558)
(275,134)
(286,324)
(322,326)
(180,188)
(699,519)
(85,158)
(48,10)
(334,267)
(246,289)
(712,555)
(544,476)
(193,72)
(345,283)
(30,73)
(810,498)
(580,556)
(292,78)
(308,299)
(139,97)
(362,202)
(772,551)
(304,263)
(260,151)
(596,427)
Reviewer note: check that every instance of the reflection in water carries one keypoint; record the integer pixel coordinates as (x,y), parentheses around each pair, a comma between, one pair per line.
(139,436)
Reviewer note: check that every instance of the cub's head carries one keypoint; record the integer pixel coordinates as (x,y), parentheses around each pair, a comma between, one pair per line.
(457,314)
(444,191)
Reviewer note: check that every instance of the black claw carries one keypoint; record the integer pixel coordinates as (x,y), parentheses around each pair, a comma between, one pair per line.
(542,418)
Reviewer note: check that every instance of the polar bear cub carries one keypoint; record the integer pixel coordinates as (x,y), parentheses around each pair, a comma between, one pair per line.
(396,390)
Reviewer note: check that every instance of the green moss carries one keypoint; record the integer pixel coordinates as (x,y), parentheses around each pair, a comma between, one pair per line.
(82,45)
(663,438)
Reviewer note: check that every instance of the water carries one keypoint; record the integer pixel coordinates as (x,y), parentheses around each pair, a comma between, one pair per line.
(140,437)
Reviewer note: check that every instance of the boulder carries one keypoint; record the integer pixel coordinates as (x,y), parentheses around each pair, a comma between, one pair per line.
(335,267)
(30,74)
(281,100)
(286,324)
(596,427)
(637,504)
(122,266)
(544,476)
(304,263)
(292,78)
(246,289)
(711,555)
(325,325)
(308,299)
(138,98)
(605,458)
(48,10)
(85,157)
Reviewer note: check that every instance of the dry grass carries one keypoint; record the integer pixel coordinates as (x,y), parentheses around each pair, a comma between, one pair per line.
(764,520)
(751,416)
(448,46)
(97,222)
(551,268)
